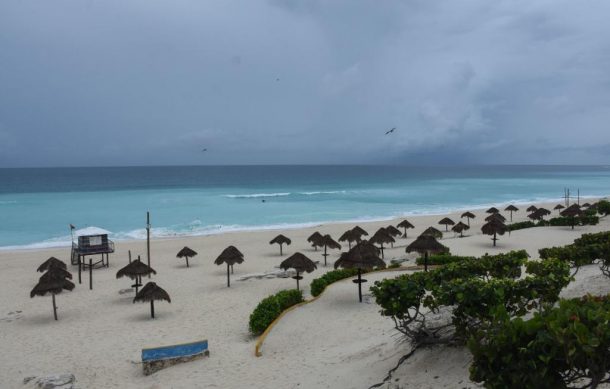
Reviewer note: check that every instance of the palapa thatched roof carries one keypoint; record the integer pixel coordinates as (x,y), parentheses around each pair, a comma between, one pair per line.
(585,205)
(330,243)
(426,243)
(539,214)
(459,227)
(186,252)
(299,262)
(431,231)
(364,255)
(382,236)
(51,284)
(361,232)
(151,292)
(511,208)
(55,272)
(231,256)
(495,216)
(280,239)
(468,214)
(349,236)
(393,231)
(51,262)
(493,210)
(559,206)
(571,211)
(494,226)
(315,239)
(446,221)
(405,224)
(531,208)
(134,269)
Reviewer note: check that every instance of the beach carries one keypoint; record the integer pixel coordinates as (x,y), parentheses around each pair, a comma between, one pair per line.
(333,342)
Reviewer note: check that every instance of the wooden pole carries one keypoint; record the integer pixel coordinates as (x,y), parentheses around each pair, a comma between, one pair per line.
(90,274)
(360,284)
(228,277)
(148,240)
(297,280)
(129,251)
(281,249)
(425,261)
(80,268)
(54,307)
(152,309)
(325,255)
(187,261)
(382,251)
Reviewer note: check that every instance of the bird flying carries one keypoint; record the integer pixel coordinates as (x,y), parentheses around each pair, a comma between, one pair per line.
(204,150)
(390,131)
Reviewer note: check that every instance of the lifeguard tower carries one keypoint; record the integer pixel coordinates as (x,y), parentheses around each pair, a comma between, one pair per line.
(89,245)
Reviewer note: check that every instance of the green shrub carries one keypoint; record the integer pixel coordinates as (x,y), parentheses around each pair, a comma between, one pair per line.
(521,225)
(394,265)
(584,251)
(603,207)
(577,221)
(557,348)
(271,307)
(319,284)
(442,259)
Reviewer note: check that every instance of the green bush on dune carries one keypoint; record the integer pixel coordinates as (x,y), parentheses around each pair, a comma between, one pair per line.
(271,307)
(442,259)
(556,348)
(319,284)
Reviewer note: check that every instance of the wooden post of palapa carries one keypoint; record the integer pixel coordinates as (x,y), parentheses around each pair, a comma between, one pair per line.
(90,274)
(148,239)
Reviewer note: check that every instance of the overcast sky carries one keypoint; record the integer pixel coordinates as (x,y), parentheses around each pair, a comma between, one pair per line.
(150,82)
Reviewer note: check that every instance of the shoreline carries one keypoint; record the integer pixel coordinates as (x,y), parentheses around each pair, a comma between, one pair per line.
(341,333)
(46,245)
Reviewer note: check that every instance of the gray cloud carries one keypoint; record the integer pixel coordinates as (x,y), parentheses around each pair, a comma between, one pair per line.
(285,81)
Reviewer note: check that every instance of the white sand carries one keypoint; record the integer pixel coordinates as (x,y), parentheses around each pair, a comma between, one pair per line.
(334,342)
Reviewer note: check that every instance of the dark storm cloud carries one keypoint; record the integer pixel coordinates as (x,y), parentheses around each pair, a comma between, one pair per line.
(286,81)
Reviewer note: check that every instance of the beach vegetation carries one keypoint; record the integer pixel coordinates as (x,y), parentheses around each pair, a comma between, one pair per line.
(472,289)
(270,308)
(562,221)
(603,207)
(319,284)
(442,259)
(567,346)
(587,249)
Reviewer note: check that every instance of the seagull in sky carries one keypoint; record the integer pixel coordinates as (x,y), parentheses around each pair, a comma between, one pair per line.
(390,131)
(204,150)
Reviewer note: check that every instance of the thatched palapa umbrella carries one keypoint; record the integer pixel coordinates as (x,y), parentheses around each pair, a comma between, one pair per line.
(426,245)
(231,256)
(151,292)
(511,208)
(558,208)
(186,253)
(405,224)
(460,228)
(349,236)
(447,222)
(586,205)
(394,232)
(360,232)
(380,237)
(363,256)
(51,262)
(468,215)
(300,263)
(531,208)
(135,270)
(572,212)
(53,281)
(316,240)
(281,240)
(496,216)
(433,232)
(539,214)
(493,210)
(329,243)
(494,227)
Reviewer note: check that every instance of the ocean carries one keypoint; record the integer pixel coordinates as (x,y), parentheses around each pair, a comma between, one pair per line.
(38,204)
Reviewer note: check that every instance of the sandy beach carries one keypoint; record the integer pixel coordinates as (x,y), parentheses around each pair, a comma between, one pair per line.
(334,342)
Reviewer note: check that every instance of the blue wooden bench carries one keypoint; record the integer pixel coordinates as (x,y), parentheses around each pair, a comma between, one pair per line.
(155,359)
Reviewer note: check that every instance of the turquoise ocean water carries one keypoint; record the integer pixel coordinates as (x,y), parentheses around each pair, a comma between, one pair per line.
(37,205)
